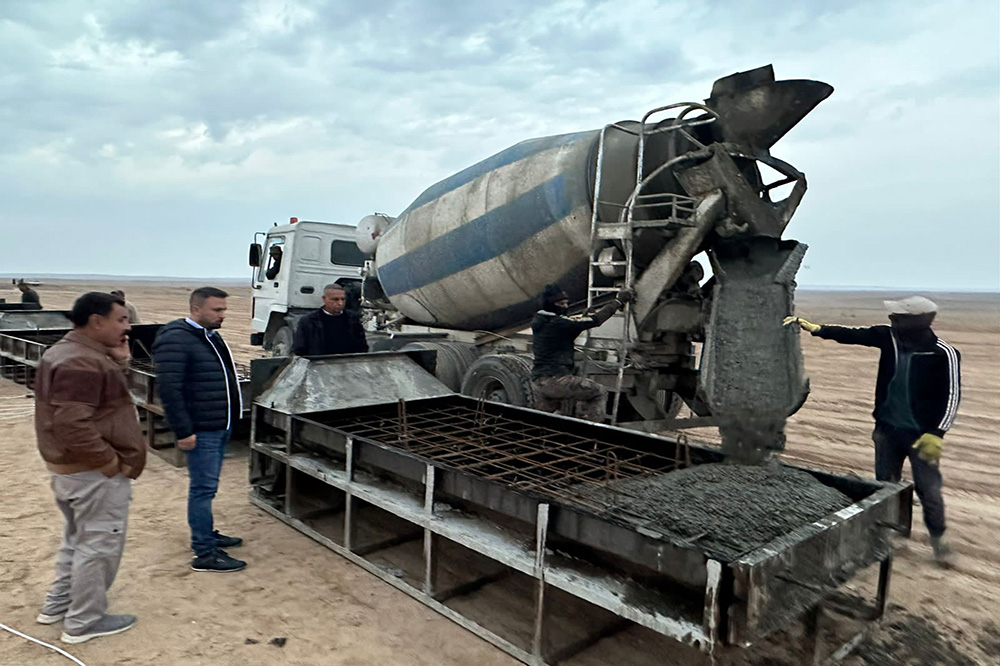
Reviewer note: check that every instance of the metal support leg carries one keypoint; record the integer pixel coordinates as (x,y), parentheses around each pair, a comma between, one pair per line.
(430,540)
(539,644)
(884,578)
(348,497)
(811,621)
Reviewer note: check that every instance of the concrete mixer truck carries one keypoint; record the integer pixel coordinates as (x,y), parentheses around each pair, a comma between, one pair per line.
(635,203)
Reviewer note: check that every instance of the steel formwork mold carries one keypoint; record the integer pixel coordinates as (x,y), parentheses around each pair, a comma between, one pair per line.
(491,477)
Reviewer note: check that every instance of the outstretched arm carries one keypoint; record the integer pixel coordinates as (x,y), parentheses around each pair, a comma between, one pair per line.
(871,336)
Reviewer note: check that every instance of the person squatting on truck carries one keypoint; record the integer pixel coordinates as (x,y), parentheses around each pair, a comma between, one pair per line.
(553,333)
(916,398)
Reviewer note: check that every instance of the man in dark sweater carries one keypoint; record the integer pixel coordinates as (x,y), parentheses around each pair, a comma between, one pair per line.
(331,329)
(200,394)
(553,333)
(29,296)
(916,398)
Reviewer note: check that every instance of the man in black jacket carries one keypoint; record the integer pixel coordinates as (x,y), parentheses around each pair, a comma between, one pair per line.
(916,398)
(29,296)
(200,394)
(553,333)
(330,329)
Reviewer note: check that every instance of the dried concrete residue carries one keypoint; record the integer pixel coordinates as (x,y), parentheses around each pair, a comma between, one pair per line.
(724,509)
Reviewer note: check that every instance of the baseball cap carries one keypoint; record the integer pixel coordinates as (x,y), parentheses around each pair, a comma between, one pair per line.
(914,305)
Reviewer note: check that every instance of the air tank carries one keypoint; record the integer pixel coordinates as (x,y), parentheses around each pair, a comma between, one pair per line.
(476,250)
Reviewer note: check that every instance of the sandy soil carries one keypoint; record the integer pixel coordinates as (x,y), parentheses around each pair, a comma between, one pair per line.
(332,612)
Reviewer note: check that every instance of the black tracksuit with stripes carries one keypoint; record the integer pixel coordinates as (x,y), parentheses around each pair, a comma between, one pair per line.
(935,375)
(925,403)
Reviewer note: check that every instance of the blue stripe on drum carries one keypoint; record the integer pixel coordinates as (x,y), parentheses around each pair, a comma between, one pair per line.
(513,154)
(486,237)
(519,315)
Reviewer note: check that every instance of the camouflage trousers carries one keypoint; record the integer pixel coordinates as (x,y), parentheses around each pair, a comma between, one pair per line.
(571,396)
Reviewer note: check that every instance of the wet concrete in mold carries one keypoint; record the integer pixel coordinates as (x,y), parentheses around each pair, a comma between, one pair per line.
(722,508)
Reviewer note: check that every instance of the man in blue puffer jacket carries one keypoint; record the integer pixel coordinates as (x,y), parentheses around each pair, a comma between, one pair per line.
(200,394)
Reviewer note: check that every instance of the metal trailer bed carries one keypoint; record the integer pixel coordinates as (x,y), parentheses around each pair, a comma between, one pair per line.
(21,351)
(474,508)
(34,319)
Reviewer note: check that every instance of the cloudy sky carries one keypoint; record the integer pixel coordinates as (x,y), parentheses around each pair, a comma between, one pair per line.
(154,138)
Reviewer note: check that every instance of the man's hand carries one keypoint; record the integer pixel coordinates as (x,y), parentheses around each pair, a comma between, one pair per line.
(626,295)
(929,447)
(803,324)
(121,354)
(188,443)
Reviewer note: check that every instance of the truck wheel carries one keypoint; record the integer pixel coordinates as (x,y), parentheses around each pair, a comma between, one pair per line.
(453,360)
(501,378)
(282,343)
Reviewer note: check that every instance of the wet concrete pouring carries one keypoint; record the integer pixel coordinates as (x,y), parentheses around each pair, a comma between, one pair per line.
(724,509)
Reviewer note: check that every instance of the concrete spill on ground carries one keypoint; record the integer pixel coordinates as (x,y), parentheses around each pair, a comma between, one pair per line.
(724,509)
(912,640)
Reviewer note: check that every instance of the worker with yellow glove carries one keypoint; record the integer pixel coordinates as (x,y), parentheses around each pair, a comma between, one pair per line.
(916,399)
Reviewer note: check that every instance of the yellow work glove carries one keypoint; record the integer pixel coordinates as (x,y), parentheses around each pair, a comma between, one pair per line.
(806,325)
(929,447)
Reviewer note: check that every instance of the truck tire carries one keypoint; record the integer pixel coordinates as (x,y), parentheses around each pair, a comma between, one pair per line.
(501,378)
(453,360)
(281,345)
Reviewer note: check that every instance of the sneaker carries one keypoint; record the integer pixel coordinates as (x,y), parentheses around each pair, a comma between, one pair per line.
(50,618)
(106,626)
(217,562)
(223,541)
(943,553)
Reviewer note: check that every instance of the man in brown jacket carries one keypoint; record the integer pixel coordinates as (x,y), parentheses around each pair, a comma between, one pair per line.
(89,436)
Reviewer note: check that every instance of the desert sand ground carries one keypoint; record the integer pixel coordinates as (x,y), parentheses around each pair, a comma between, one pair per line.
(332,612)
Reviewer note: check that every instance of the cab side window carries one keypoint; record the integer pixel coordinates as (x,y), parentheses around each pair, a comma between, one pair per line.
(275,249)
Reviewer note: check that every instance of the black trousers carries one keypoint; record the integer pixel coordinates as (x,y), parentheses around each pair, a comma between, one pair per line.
(892,447)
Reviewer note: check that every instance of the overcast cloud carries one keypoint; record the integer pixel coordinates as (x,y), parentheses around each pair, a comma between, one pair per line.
(141,138)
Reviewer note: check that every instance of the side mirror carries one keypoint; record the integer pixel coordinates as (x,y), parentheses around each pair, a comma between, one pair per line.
(255,254)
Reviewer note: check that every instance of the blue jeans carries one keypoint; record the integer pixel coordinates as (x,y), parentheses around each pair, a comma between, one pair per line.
(892,447)
(204,463)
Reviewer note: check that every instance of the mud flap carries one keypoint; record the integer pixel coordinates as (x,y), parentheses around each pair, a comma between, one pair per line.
(752,373)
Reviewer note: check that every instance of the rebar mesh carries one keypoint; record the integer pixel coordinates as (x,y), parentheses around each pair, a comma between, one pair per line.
(521,455)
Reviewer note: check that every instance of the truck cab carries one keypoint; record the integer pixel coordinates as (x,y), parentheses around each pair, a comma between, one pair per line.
(291,265)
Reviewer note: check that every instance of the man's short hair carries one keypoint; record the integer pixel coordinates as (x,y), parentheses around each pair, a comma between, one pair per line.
(92,303)
(334,287)
(199,295)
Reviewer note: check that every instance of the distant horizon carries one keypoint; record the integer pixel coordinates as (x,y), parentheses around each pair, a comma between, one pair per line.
(84,277)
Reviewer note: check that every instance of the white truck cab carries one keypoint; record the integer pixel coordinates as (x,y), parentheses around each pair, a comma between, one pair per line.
(291,265)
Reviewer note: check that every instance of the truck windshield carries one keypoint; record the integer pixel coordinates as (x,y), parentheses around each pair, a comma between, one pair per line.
(346,253)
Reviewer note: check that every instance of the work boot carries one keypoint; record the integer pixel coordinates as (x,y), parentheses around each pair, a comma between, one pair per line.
(106,626)
(223,541)
(218,561)
(943,554)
